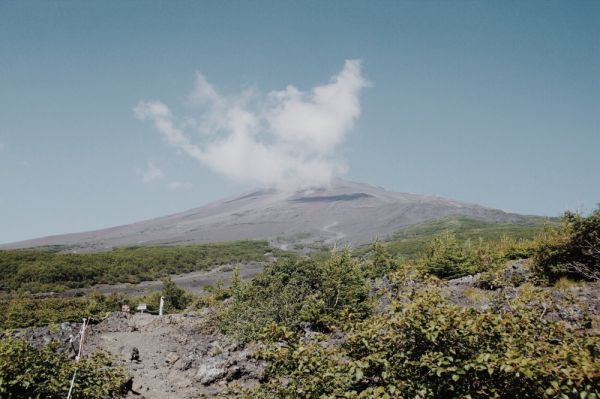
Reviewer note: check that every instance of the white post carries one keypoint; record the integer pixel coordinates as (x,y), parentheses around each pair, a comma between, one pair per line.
(81,338)
(82,333)
(161,307)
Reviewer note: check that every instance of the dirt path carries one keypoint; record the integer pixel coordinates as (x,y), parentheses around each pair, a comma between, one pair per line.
(152,376)
(177,360)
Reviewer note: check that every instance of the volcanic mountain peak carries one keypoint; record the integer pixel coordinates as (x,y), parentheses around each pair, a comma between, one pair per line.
(344,212)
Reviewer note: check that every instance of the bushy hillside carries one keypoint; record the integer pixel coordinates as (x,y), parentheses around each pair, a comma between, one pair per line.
(39,271)
(414,338)
(410,241)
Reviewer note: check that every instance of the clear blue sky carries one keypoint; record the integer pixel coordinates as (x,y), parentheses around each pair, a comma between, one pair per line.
(496,103)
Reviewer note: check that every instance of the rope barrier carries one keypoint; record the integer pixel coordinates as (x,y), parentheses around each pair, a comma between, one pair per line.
(81,339)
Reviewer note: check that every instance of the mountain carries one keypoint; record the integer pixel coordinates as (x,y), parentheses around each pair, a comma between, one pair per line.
(345,212)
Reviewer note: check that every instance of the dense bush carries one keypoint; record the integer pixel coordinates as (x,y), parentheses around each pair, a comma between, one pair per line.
(25,312)
(448,257)
(43,271)
(27,372)
(297,293)
(428,348)
(19,312)
(572,251)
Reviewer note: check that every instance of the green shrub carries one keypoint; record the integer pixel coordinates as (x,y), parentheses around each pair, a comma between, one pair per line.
(446,257)
(572,251)
(20,312)
(428,348)
(26,312)
(297,292)
(27,372)
(379,261)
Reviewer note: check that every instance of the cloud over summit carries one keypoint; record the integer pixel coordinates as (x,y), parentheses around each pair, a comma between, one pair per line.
(285,139)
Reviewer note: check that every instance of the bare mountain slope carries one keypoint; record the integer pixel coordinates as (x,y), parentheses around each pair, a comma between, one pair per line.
(346,212)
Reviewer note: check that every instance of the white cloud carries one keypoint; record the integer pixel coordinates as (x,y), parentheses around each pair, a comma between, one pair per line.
(2,146)
(179,185)
(285,139)
(150,173)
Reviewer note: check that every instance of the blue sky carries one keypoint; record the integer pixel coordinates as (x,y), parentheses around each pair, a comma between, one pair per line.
(496,103)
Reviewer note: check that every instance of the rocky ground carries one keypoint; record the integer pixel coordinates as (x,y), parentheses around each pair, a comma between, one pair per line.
(177,360)
(578,304)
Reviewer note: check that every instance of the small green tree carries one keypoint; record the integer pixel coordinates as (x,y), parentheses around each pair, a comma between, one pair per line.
(571,251)
(236,282)
(380,261)
(176,298)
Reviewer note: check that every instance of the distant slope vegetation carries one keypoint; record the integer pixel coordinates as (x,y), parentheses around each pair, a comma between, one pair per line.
(38,270)
(410,241)
(50,269)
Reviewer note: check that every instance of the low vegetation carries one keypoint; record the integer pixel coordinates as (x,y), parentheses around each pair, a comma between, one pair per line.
(298,293)
(42,271)
(422,345)
(448,257)
(28,372)
(410,242)
(428,348)
(26,311)
(571,251)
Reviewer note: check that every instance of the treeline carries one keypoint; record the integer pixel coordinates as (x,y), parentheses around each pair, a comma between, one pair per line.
(35,270)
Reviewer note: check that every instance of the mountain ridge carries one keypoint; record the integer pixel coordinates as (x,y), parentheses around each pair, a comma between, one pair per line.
(345,212)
